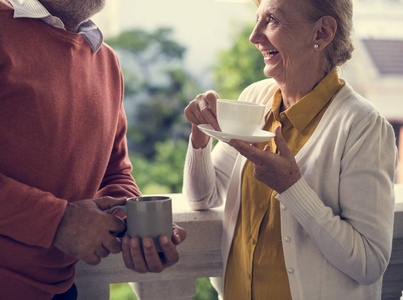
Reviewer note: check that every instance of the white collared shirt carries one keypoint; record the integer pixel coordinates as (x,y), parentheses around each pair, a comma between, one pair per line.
(34,9)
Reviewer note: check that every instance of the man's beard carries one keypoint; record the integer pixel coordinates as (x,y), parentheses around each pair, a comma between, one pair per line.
(74,12)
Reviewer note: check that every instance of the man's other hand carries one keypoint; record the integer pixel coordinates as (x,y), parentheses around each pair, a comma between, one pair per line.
(142,256)
(86,232)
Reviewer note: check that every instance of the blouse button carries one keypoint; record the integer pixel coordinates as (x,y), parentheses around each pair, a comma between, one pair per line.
(287,239)
(290,270)
(282,206)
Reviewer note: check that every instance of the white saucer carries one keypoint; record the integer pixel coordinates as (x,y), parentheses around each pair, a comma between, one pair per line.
(258,136)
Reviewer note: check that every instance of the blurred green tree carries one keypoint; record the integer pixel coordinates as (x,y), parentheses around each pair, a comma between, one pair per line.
(157,88)
(239,65)
(164,173)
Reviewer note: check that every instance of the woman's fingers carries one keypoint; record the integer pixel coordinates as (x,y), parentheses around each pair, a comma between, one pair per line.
(202,110)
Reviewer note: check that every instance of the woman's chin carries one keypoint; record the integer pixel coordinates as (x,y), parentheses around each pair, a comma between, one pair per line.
(269,71)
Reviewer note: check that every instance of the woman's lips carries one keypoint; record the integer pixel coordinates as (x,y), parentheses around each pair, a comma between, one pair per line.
(269,54)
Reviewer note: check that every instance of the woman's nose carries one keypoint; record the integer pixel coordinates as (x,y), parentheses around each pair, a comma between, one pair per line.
(254,37)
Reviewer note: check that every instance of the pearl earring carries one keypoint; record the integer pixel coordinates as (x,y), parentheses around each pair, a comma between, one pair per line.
(316,46)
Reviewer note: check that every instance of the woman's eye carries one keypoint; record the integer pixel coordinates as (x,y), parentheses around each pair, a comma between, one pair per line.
(270,19)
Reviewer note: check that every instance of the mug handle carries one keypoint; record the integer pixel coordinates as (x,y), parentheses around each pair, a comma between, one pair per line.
(111,210)
(123,208)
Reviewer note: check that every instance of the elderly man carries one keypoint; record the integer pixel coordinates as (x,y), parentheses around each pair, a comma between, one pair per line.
(63,151)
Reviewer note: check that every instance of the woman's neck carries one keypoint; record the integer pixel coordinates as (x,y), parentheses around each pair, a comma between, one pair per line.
(293,89)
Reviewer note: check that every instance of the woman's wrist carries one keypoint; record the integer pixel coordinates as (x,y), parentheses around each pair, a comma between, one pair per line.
(199,139)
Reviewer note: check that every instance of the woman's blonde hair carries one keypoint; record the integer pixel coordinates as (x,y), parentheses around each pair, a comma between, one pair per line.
(340,49)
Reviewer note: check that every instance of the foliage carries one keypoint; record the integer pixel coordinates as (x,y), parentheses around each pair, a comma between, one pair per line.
(122,291)
(157,88)
(148,49)
(163,174)
(204,290)
(238,66)
(167,47)
(161,116)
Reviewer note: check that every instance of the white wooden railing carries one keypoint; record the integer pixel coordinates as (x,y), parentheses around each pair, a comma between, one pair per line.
(200,257)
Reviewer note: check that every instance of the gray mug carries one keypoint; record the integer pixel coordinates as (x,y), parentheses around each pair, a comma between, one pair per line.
(148,216)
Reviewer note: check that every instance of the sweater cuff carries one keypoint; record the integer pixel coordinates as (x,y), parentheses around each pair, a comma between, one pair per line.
(44,238)
(196,177)
(302,201)
(200,154)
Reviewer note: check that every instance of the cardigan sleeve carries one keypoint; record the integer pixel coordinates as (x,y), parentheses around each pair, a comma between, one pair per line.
(358,240)
(207,174)
(29,215)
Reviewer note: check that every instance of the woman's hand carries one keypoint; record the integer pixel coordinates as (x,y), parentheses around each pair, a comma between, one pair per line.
(277,171)
(202,110)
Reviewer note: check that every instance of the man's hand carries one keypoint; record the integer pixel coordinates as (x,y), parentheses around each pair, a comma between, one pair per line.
(142,256)
(277,171)
(86,231)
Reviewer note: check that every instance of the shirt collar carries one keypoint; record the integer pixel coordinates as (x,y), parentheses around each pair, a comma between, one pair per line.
(305,110)
(34,9)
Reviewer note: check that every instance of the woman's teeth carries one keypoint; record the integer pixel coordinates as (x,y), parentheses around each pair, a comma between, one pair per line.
(269,54)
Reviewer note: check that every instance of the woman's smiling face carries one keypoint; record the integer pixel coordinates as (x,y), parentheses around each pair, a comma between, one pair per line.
(285,38)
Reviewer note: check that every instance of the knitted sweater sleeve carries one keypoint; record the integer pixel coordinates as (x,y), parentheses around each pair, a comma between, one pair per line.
(118,182)
(21,206)
(358,240)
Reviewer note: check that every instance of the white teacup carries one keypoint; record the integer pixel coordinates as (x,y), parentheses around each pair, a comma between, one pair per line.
(239,117)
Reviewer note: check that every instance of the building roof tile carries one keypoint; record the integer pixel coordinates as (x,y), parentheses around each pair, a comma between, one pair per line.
(387,55)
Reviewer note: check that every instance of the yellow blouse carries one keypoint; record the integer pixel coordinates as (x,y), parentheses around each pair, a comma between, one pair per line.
(256,267)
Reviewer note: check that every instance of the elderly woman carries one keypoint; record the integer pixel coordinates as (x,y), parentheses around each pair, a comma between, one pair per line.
(309,214)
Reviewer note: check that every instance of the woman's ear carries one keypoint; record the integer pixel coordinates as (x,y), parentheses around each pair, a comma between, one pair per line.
(325,30)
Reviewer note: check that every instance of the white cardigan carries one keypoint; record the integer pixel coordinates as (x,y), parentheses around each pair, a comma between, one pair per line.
(337,220)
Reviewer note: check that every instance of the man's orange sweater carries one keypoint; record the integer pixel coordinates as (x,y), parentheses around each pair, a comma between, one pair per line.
(62,138)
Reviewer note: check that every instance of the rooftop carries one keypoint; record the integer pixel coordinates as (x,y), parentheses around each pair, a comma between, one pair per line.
(387,55)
